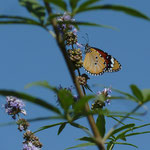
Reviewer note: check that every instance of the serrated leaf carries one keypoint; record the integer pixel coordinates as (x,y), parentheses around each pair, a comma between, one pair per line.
(81,145)
(62,126)
(120,8)
(146,95)
(60,3)
(65,99)
(31,99)
(137,92)
(48,126)
(35,8)
(100,123)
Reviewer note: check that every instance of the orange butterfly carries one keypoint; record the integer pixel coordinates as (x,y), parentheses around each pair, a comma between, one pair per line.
(97,62)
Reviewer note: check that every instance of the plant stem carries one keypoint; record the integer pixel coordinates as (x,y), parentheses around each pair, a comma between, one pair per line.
(62,47)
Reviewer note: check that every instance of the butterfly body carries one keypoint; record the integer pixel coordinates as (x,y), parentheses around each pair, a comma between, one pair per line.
(97,61)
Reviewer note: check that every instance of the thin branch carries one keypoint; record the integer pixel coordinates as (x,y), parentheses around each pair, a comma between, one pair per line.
(60,42)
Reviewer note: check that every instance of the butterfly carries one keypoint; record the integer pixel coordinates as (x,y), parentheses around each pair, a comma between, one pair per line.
(97,61)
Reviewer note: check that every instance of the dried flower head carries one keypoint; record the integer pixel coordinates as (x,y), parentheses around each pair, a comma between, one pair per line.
(31,141)
(83,79)
(22,124)
(76,57)
(14,106)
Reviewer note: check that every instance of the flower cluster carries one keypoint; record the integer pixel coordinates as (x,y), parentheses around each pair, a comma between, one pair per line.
(14,106)
(83,79)
(31,141)
(67,29)
(76,57)
(22,124)
(99,102)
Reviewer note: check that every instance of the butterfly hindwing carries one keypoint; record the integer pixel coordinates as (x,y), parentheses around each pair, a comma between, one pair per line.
(94,63)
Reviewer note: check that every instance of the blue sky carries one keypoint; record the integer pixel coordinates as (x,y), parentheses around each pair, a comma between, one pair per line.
(29,53)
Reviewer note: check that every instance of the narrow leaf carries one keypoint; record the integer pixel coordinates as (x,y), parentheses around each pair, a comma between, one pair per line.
(62,126)
(100,123)
(88,139)
(44,84)
(81,145)
(73,4)
(48,126)
(125,9)
(129,144)
(123,128)
(146,95)
(137,92)
(137,133)
(31,99)
(60,3)
(35,8)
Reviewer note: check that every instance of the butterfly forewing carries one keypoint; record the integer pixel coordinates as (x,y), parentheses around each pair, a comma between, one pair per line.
(112,65)
(94,63)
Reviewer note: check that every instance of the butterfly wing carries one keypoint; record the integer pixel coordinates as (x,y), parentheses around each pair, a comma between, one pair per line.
(112,65)
(94,63)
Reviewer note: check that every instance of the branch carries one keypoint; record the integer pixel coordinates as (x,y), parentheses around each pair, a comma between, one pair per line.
(62,47)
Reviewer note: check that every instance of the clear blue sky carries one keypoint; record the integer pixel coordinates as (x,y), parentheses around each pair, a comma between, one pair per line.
(29,53)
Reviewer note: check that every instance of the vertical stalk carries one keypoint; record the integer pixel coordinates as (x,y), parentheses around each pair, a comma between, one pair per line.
(61,45)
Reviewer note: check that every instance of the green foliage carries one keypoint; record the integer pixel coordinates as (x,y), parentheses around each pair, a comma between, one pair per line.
(100,123)
(35,8)
(31,99)
(60,3)
(127,10)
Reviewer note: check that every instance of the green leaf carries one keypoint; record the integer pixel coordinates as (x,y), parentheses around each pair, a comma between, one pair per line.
(81,145)
(123,128)
(35,9)
(7,19)
(146,95)
(44,84)
(137,133)
(60,3)
(86,4)
(80,105)
(65,99)
(73,4)
(128,96)
(78,126)
(100,123)
(31,99)
(125,9)
(62,126)
(110,145)
(48,126)
(137,92)
(33,120)
(88,139)
(129,144)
